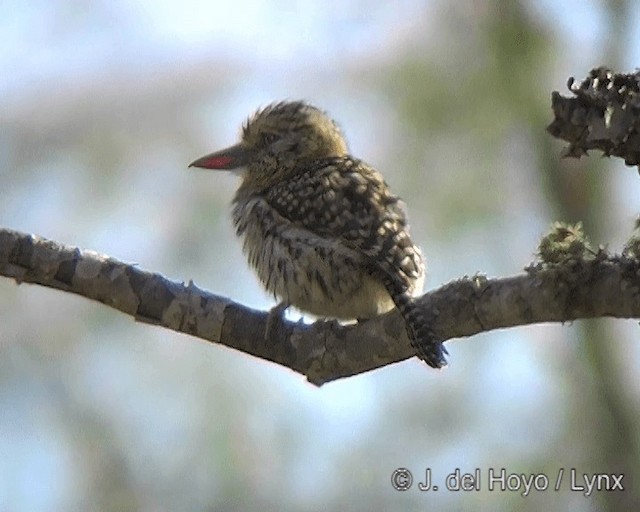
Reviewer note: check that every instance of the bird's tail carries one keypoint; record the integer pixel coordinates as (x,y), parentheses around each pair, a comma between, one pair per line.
(423,340)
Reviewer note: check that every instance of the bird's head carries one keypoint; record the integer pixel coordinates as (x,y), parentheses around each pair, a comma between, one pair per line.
(277,141)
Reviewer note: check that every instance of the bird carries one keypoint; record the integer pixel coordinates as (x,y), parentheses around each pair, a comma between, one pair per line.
(321,228)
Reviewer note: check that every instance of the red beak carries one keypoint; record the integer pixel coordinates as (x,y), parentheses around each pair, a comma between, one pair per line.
(229,158)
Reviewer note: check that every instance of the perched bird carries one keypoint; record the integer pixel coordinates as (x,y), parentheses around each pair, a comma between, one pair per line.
(321,228)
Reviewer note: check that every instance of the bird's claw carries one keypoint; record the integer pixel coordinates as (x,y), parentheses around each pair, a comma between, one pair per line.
(275,319)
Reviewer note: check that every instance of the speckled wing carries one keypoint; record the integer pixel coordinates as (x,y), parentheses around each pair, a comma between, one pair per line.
(343,198)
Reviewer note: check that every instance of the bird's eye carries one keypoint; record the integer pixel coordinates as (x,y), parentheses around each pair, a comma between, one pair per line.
(269,138)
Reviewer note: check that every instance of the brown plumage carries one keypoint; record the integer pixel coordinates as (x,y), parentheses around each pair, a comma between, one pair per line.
(320,227)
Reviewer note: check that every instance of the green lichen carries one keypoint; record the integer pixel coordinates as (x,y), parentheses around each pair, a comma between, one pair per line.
(565,242)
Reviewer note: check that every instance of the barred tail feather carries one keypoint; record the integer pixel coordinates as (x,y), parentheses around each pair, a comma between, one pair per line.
(423,340)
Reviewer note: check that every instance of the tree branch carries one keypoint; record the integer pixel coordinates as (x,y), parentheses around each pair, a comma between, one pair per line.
(603,114)
(325,351)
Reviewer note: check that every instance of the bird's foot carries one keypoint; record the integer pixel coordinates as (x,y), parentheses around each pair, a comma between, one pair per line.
(275,320)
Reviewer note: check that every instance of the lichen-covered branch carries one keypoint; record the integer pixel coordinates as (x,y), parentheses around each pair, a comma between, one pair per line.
(602,114)
(559,291)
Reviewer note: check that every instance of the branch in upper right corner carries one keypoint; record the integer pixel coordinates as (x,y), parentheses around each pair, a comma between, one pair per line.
(604,114)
